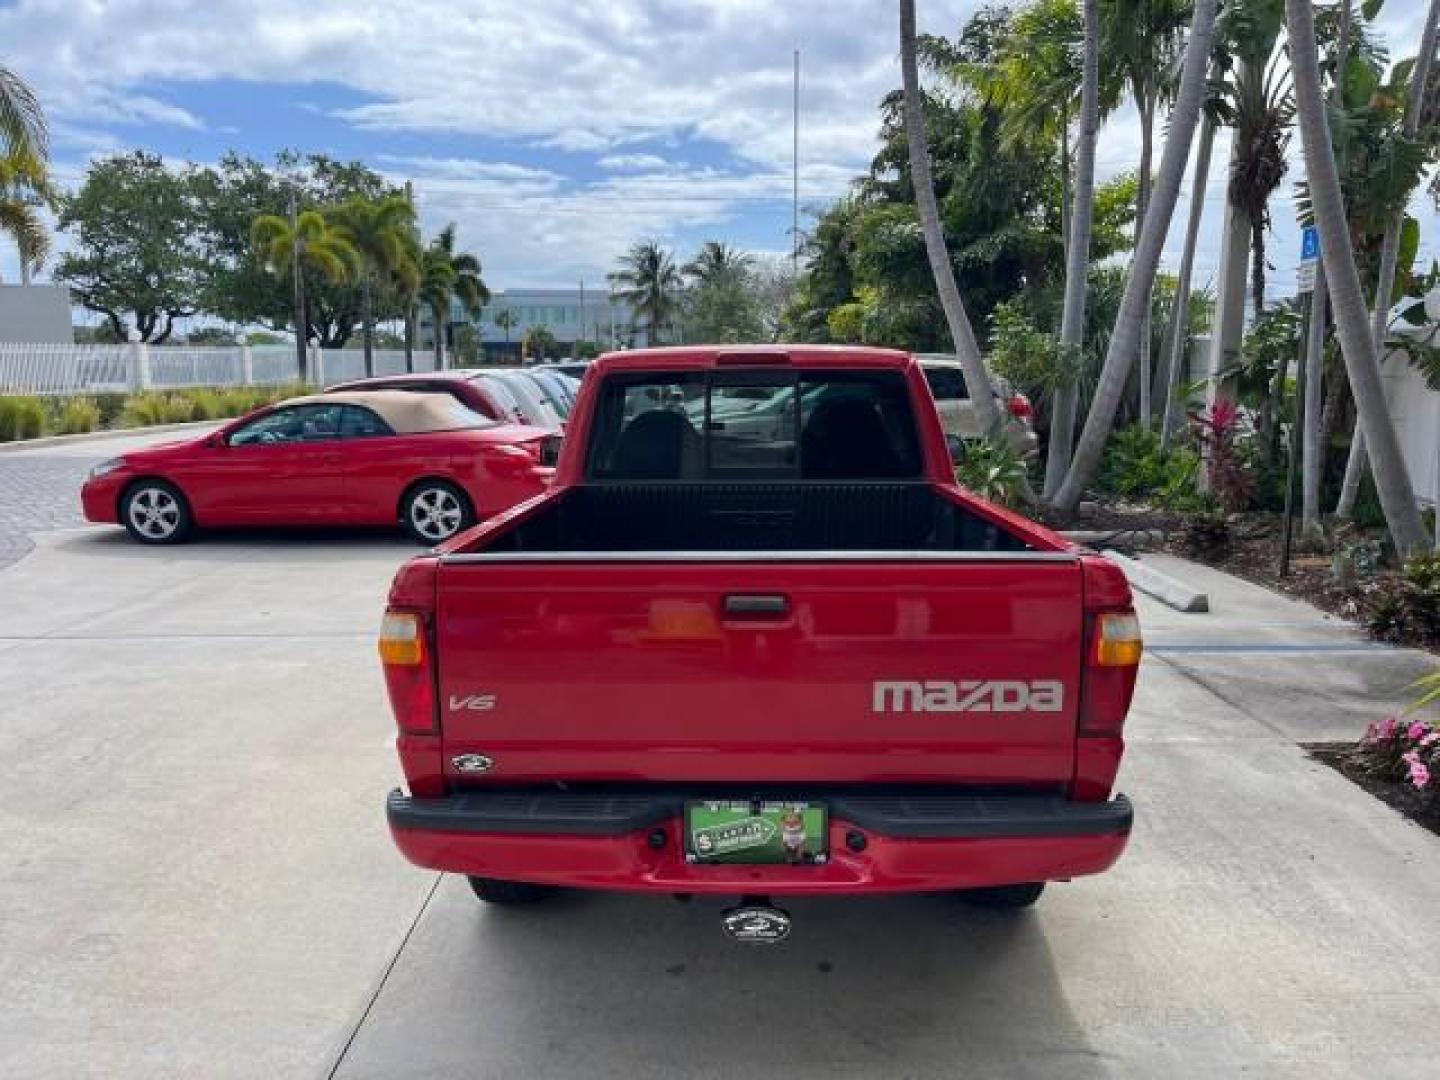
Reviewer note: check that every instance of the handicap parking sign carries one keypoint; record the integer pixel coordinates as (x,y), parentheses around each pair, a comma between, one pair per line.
(1309,244)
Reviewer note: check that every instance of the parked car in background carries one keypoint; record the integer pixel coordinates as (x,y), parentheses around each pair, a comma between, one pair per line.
(493,392)
(957,412)
(355,458)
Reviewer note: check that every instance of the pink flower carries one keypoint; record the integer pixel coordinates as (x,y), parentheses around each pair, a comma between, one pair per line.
(1417,730)
(1412,758)
(1431,739)
(1388,727)
(1419,774)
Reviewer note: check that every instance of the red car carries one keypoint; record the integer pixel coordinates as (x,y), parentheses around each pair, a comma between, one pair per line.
(361,458)
(797,659)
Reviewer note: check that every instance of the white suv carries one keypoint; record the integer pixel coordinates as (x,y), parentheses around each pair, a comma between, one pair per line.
(957,412)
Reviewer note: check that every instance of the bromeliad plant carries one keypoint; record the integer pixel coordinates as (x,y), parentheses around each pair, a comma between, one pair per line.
(1406,750)
(1218,431)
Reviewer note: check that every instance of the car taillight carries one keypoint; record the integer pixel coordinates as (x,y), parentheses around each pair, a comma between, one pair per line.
(1020,407)
(1112,656)
(409,671)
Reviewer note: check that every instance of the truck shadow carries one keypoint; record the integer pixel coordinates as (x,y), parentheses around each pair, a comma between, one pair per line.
(640,986)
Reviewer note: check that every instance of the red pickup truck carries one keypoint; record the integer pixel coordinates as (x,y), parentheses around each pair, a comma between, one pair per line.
(756,642)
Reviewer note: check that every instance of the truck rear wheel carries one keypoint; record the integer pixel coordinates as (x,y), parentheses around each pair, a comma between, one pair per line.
(494,891)
(1004,897)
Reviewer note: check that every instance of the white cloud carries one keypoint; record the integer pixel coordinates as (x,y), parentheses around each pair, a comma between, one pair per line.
(632,162)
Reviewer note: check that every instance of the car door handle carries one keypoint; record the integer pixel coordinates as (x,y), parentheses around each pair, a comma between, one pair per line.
(756,606)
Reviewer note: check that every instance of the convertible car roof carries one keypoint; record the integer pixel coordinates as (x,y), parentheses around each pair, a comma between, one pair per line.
(406,411)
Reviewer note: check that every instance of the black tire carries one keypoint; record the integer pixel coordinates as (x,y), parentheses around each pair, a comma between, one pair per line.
(509,893)
(432,511)
(1004,897)
(156,512)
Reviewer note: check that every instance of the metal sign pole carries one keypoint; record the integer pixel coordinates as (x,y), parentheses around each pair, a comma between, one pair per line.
(1309,255)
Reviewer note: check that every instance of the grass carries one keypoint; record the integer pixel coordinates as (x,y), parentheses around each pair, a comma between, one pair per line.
(23,417)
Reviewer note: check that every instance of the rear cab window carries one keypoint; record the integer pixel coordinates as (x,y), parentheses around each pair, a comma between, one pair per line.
(758,424)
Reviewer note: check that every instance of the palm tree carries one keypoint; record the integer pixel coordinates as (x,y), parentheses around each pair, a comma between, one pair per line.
(1392,481)
(291,246)
(445,275)
(22,122)
(717,263)
(1135,304)
(505,319)
(649,284)
(383,232)
(1141,39)
(961,332)
(24,190)
(1389,251)
(1077,256)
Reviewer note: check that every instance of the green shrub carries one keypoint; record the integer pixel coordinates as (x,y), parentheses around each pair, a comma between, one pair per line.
(992,470)
(1406,607)
(1135,467)
(207,404)
(76,415)
(110,405)
(21,418)
(156,407)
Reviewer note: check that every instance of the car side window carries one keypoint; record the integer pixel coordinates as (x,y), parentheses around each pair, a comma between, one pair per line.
(362,423)
(946,384)
(291,424)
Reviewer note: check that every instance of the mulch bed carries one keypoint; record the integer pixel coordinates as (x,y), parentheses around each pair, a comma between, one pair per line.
(1419,807)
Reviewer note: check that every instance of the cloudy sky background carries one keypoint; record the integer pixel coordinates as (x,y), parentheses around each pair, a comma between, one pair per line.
(554,133)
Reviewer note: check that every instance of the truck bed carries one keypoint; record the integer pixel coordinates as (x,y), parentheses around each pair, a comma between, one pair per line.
(750,517)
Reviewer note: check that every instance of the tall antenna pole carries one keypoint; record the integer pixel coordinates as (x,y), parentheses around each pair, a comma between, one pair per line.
(795,177)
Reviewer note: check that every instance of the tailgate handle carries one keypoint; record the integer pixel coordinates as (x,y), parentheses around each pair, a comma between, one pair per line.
(757,605)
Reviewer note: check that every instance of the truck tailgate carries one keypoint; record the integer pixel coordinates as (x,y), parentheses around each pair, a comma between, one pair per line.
(904,670)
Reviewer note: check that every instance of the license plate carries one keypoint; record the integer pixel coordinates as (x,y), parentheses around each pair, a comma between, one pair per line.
(768,832)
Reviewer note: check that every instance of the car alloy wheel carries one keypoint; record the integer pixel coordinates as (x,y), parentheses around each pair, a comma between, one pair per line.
(436,513)
(155,513)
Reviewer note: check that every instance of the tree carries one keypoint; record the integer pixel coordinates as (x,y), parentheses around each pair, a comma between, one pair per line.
(1133,317)
(25,191)
(23,129)
(1419,77)
(445,275)
(720,303)
(382,233)
(961,333)
(135,260)
(290,248)
(233,193)
(506,319)
(539,342)
(1077,257)
(649,284)
(1141,39)
(1392,482)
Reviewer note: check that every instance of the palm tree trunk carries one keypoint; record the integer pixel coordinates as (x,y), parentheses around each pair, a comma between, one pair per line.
(1147,153)
(302,327)
(1392,481)
(436,315)
(367,322)
(1177,333)
(1312,459)
(1389,255)
(409,337)
(1077,259)
(982,398)
(1228,325)
(1125,339)
(1319,419)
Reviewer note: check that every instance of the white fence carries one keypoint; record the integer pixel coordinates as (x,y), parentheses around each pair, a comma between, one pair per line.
(88,369)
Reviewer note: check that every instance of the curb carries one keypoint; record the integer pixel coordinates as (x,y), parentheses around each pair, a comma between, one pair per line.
(1162,587)
(109,433)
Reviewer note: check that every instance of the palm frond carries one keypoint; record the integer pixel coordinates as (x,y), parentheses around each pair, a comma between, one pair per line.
(22,121)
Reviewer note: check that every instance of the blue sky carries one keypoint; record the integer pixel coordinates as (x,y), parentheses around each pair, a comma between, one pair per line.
(554,134)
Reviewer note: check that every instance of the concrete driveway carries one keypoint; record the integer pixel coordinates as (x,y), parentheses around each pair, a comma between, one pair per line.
(195,878)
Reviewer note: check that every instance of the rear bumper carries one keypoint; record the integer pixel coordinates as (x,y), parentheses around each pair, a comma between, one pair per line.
(912,843)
